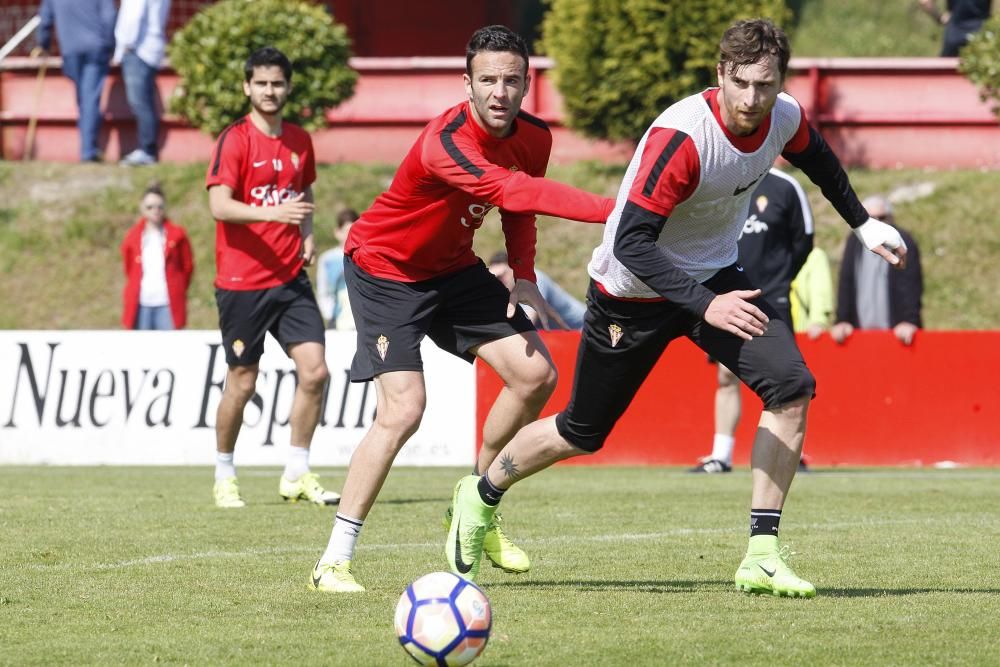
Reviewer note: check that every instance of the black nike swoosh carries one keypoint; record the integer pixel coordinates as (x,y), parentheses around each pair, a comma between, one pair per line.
(315,578)
(739,190)
(459,563)
(769,573)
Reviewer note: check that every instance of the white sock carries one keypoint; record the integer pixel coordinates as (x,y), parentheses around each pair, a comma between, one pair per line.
(297,464)
(224,468)
(722,448)
(342,539)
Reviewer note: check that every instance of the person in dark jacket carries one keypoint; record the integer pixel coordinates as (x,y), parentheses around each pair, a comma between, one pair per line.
(86,31)
(870,298)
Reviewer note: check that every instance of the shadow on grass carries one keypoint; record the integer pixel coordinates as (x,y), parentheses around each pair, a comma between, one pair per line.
(665,586)
(632,586)
(898,592)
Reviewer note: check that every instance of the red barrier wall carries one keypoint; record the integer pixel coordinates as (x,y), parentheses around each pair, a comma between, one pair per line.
(879,113)
(878,402)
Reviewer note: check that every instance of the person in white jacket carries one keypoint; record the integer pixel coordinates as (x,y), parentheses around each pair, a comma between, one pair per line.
(140,42)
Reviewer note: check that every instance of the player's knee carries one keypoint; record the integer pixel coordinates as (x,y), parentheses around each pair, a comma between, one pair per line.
(797,383)
(536,384)
(402,416)
(586,439)
(314,378)
(241,382)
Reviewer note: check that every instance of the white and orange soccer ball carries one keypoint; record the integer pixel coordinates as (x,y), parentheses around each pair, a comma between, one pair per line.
(442,619)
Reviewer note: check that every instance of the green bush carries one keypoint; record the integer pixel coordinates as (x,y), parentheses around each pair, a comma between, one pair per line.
(981,61)
(209,54)
(619,63)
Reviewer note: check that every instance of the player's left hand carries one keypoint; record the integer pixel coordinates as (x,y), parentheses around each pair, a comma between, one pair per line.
(883,240)
(308,250)
(527,292)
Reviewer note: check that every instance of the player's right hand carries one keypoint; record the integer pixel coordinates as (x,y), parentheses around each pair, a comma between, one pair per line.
(734,313)
(295,211)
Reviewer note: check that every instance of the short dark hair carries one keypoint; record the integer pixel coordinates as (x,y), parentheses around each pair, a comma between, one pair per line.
(268,56)
(494,38)
(345,216)
(154,188)
(751,41)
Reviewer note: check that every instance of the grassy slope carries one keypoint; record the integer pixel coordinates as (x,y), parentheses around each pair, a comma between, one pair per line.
(886,28)
(60,226)
(107,566)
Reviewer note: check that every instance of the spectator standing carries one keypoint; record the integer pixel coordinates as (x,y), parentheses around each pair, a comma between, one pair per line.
(773,245)
(259,184)
(961,19)
(140,42)
(811,295)
(331,288)
(86,41)
(871,297)
(568,309)
(158,268)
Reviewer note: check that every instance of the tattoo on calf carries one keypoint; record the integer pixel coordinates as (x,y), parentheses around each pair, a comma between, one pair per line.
(509,467)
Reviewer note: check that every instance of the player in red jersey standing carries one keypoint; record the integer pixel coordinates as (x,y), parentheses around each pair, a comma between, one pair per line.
(411,273)
(668,268)
(260,192)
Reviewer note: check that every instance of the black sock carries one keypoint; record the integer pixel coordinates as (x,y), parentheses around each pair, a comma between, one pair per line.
(490,494)
(764,522)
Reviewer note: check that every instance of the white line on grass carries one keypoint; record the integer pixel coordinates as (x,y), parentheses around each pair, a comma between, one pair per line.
(563,539)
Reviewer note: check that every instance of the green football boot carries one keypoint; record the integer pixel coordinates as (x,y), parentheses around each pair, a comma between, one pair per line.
(307,488)
(765,571)
(470,520)
(227,493)
(335,578)
(499,548)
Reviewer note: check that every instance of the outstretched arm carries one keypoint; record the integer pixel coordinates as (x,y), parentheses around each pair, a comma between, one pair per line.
(818,161)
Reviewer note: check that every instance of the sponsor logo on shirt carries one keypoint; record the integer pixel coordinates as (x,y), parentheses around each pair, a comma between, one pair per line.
(476,214)
(269,195)
(754,225)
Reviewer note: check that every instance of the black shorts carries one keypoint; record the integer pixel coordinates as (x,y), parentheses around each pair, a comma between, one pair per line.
(288,311)
(622,341)
(459,311)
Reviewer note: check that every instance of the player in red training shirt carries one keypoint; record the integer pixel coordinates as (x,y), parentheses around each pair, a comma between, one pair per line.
(260,192)
(411,272)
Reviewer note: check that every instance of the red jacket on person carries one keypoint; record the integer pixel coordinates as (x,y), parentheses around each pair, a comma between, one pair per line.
(179,265)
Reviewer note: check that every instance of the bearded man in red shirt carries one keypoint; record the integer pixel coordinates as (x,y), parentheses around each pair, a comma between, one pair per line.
(260,192)
(411,272)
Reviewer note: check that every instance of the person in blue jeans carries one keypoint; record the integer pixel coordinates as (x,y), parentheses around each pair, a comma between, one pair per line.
(85,29)
(140,42)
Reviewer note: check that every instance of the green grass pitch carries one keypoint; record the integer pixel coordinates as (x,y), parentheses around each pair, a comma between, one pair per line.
(631,566)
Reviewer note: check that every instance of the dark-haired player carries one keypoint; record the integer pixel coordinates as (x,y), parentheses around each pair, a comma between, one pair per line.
(260,193)
(667,268)
(411,273)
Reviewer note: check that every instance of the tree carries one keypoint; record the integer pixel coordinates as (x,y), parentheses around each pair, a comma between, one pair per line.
(619,63)
(981,61)
(209,54)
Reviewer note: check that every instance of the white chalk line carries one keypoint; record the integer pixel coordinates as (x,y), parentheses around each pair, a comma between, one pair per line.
(399,546)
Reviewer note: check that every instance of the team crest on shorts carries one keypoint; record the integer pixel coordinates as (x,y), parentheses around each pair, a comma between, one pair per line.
(238,348)
(616,334)
(382,345)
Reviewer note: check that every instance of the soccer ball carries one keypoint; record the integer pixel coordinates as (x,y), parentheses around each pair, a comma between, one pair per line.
(442,619)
